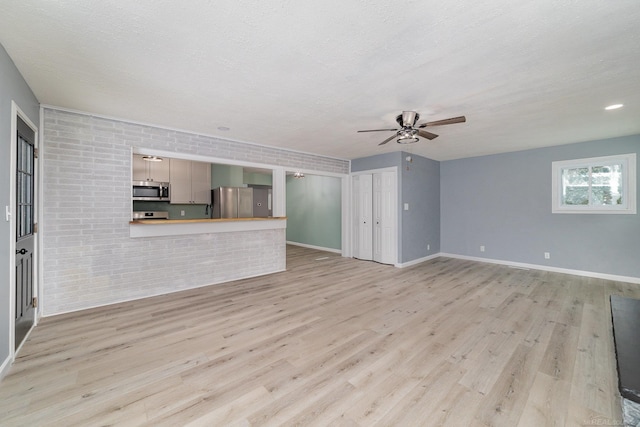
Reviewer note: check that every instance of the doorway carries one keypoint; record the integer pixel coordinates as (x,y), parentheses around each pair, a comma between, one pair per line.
(314,210)
(25,228)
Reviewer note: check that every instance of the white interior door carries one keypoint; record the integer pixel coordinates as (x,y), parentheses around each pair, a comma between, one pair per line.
(375,219)
(364,244)
(378,201)
(384,221)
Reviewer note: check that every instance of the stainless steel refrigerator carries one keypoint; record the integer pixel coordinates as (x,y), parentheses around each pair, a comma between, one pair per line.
(261,202)
(241,202)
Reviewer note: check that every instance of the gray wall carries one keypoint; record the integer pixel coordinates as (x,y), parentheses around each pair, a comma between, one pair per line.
(420,187)
(314,211)
(12,87)
(421,223)
(504,203)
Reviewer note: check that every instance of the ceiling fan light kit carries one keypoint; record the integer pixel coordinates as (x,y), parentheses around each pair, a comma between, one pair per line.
(408,134)
(152,158)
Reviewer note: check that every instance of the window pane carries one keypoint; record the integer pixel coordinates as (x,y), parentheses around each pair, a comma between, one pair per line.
(29,161)
(25,188)
(28,220)
(575,186)
(606,185)
(19,189)
(28,185)
(21,220)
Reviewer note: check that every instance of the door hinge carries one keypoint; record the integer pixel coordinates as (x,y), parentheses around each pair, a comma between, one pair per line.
(35,152)
(35,227)
(34,302)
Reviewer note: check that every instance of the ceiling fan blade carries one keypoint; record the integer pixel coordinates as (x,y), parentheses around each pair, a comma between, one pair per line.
(378,130)
(387,140)
(428,135)
(450,121)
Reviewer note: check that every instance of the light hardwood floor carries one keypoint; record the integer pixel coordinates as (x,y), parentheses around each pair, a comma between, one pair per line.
(332,341)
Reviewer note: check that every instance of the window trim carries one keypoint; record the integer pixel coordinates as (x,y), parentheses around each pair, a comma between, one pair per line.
(628,185)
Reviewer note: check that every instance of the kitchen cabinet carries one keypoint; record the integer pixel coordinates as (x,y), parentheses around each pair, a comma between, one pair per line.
(190,182)
(144,170)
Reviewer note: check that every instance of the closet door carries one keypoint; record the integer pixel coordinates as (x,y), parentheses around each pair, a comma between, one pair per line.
(384,218)
(378,201)
(364,230)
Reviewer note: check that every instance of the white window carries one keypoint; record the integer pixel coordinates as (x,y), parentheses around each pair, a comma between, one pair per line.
(596,185)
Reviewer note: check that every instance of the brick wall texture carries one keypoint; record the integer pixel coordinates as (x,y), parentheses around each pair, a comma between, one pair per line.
(89,259)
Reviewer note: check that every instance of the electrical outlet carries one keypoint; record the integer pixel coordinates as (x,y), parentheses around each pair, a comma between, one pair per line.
(428,247)
(547,255)
(181,213)
(482,248)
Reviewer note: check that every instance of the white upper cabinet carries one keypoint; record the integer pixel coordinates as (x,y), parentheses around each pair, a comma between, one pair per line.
(144,170)
(180,181)
(201,182)
(190,182)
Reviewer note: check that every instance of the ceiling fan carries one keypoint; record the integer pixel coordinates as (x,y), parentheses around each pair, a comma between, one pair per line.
(409,132)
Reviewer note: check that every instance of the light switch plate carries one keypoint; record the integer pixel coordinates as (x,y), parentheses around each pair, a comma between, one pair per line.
(406,206)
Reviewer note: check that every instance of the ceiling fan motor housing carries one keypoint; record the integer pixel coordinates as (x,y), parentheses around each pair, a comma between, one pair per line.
(408,118)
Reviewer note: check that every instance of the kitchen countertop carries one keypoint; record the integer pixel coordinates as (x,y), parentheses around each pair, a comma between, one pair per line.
(192,221)
(179,227)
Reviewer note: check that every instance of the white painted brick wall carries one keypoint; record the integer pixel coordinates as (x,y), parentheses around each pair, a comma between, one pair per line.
(90,260)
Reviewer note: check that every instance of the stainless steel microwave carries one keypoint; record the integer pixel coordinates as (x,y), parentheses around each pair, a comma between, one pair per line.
(151,190)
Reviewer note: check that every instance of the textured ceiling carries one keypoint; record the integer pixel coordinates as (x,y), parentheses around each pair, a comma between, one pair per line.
(306,75)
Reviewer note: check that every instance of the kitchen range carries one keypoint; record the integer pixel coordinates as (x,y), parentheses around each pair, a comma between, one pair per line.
(150,215)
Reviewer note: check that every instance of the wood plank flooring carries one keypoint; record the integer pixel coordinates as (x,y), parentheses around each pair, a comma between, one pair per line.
(332,342)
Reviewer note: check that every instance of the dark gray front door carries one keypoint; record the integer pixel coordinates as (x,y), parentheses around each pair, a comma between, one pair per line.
(25,212)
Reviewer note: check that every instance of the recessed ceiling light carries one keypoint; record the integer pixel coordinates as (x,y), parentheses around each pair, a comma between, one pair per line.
(614,107)
(223,128)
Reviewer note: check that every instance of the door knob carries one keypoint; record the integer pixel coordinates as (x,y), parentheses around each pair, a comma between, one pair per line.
(22,251)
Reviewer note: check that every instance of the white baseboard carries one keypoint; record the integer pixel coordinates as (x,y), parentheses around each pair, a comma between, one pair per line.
(416,261)
(547,268)
(4,368)
(320,248)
